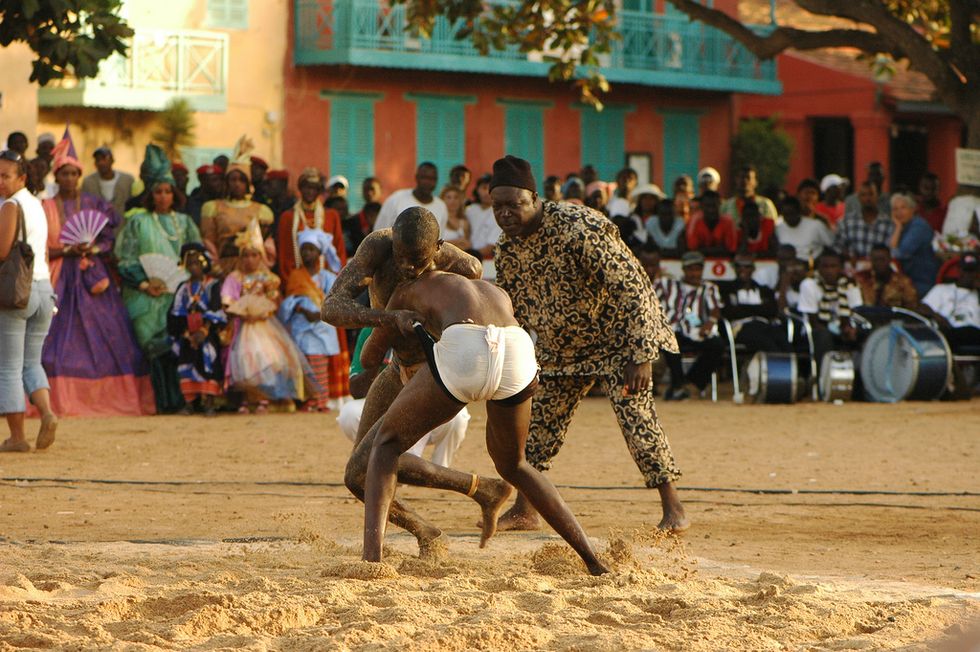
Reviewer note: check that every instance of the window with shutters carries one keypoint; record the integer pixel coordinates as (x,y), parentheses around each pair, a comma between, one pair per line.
(604,140)
(524,135)
(682,144)
(440,131)
(352,142)
(228,14)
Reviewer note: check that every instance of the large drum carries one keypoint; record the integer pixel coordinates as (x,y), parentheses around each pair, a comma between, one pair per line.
(836,376)
(905,361)
(773,378)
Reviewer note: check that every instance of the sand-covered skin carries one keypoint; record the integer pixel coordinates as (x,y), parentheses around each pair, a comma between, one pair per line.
(236,533)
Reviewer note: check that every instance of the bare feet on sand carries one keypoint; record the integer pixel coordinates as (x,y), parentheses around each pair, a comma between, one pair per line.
(491,496)
(45,436)
(674,521)
(432,545)
(520,517)
(11,446)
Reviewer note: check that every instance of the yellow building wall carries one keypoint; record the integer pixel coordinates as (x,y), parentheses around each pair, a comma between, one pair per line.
(255,88)
(18,111)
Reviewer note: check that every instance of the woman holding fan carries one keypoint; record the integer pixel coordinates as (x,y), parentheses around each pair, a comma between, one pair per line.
(91,357)
(148,249)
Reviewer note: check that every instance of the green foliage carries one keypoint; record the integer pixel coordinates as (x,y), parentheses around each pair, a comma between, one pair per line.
(760,142)
(68,36)
(176,128)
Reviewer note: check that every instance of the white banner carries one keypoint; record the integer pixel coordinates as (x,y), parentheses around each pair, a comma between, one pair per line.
(968,166)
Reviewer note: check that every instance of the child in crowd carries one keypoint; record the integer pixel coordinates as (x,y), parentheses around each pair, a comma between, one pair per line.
(263,362)
(195,323)
(300,311)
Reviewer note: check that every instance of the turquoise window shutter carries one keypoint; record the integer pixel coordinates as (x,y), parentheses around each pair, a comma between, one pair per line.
(352,143)
(440,135)
(682,145)
(228,14)
(604,140)
(524,137)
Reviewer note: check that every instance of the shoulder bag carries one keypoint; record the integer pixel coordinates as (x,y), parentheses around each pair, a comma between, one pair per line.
(17,269)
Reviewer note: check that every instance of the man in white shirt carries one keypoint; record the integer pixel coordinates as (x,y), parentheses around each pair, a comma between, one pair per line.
(484,231)
(810,236)
(963,213)
(426,178)
(955,306)
(113,186)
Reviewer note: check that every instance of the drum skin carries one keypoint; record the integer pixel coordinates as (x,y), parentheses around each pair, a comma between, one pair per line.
(905,362)
(836,376)
(774,378)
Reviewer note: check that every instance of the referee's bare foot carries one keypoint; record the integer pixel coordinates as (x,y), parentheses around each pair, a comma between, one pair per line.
(45,436)
(520,517)
(675,520)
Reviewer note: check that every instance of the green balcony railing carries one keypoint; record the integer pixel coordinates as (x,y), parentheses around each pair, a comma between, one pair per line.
(655,49)
(159,66)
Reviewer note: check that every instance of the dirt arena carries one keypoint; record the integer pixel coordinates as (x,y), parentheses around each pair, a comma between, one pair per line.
(816,527)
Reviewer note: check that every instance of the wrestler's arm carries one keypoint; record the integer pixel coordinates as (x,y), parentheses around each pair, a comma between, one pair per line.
(341,308)
(383,339)
(451,258)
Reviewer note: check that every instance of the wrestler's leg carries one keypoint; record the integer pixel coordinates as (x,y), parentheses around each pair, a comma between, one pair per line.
(507,430)
(380,395)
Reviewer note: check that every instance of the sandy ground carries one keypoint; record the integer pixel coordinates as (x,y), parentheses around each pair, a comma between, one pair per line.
(816,527)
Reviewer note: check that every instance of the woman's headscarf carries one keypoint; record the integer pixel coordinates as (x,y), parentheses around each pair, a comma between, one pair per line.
(62,157)
(156,167)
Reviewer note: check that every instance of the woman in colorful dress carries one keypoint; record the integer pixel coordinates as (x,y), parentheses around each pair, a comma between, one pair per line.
(195,324)
(263,362)
(158,229)
(93,362)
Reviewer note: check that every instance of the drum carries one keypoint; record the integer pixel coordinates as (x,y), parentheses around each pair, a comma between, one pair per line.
(772,378)
(836,376)
(905,362)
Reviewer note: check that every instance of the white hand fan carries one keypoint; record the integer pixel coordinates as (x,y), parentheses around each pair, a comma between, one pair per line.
(165,269)
(83,227)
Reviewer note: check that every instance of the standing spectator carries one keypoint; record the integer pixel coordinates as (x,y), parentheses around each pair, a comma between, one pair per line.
(930,206)
(858,232)
(573,190)
(258,168)
(752,309)
(619,203)
(308,213)
(357,226)
(457,229)
(484,231)
(181,177)
(371,190)
(277,195)
(45,145)
(963,213)
(37,170)
(426,178)
(808,235)
(597,195)
(711,232)
(460,176)
(596,318)
(93,362)
(683,187)
(666,230)
(791,277)
(697,312)
(708,179)
(955,305)
(883,286)
(552,189)
(911,243)
(113,186)
(336,186)
(745,186)
(755,235)
(588,174)
(831,205)
(828,300)
(210,186)
(808,192)
(22,332)
(853,205)
(17,142)
(157,229)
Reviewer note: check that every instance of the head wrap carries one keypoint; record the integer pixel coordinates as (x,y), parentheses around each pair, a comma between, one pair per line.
(277,174)
(513,171)
(62,157)
(208,169)
(178,166)
(198,250)
(251,238)
(309,175)
(241,159)
(156,167)
(259,161)
(322,241)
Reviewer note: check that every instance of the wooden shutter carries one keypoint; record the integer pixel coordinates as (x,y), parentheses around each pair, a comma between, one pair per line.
(524,136)
(352,143)
(604,140)
(682,145)
(440,135)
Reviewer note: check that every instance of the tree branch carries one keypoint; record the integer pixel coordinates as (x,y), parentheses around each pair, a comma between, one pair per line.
(962,50)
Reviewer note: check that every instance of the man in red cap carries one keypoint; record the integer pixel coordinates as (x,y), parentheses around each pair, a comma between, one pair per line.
(210,186)
(595,318)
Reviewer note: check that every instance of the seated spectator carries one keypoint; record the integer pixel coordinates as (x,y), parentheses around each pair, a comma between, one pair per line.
(853,206)
(646,199)
(708,179)
(619,202)
(711,232)
(808,192)
(745,187)
(930,207)
(769,275)
(597,195)
(751,309)
(667,231)
(831,206)
(911,243)
(755,234)
(860,231)
(807,235)
(696,311)
(664,284)
(628,231)
(884,286)
(683,207)
(791,277)
(684,187)
(828,300)
(963,213)
(955,306)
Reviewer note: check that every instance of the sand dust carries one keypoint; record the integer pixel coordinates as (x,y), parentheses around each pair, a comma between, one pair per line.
(173,533)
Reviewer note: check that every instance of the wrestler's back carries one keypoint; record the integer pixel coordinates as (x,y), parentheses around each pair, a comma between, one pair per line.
(444,299)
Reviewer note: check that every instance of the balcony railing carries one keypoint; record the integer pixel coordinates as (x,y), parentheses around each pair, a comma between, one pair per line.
(655,50)
(160,65)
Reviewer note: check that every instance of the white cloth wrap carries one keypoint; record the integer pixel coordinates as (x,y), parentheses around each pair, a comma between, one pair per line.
(485,363)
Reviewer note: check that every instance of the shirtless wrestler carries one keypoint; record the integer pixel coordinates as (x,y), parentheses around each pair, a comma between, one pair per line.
(382,260)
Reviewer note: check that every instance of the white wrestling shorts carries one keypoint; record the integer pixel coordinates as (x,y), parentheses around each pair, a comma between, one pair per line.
(474,363)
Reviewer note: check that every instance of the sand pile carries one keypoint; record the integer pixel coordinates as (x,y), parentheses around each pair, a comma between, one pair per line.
(525,595)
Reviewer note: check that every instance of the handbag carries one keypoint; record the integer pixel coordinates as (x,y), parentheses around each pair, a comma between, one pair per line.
(17,269)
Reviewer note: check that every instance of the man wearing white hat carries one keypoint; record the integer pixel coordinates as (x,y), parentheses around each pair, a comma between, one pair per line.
(337,186)
(831,206)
